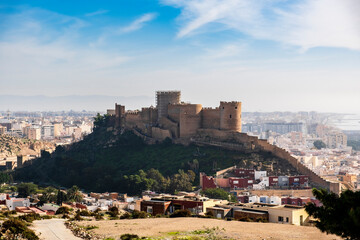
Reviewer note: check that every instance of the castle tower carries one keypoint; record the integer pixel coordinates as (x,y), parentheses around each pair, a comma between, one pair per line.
(230,116)
(20,161)
(163,99)
(119,115)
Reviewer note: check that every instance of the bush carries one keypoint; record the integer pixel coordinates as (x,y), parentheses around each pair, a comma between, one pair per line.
(30,217)
(181,213)
(15,227)
(137,214)
(209,214)
(63,210)
(113,212)
(129,236)
(8,213)
(125,216)
(245,219)
(77,217)
(98,216)
(219,193)
(85,213)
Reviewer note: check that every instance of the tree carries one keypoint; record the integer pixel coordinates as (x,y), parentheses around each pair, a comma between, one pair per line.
(101,120)
(60,198)
(160,184)
(319,144)
(182,181)
(219,193)
(98,121)
(48,195)
(26,189)
(4,178)
(339,215)
(74,194)
(113,212)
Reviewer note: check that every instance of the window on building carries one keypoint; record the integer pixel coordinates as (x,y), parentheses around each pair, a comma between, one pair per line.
(230,115)
(296,179)
(287,219)
(280,219)
(149,209)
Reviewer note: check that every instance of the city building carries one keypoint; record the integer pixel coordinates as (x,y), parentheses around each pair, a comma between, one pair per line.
(288,214)
(47,132)
(2,130)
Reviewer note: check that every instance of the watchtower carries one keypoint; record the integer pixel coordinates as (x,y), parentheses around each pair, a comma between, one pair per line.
(119,115)
(230,116)
(163,99)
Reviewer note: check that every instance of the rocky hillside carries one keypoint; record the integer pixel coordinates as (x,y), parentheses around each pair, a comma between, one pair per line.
(12,146)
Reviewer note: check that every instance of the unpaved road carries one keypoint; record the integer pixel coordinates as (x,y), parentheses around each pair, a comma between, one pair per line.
(53,229)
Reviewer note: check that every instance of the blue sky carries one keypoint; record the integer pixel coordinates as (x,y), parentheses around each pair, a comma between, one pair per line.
(270,54)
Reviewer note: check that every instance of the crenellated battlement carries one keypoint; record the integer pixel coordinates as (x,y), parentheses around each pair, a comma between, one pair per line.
(133,112)
(187,117)
(210,108)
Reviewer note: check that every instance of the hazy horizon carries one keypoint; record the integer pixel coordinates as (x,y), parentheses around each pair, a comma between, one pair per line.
(100,103)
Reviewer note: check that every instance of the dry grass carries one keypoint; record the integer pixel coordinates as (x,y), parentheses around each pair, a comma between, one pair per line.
(160,227)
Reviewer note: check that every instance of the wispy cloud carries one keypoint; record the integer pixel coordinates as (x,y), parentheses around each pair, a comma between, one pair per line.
(48,46)
(224,51)
(139,22)
(98,12)
(309,23)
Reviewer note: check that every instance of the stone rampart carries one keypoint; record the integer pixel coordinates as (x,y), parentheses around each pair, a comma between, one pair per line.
(160,134)
(166,123)
(210,118)
(240,142)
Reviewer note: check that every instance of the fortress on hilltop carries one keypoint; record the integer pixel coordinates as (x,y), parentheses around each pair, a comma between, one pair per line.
(177,120)
(187,123)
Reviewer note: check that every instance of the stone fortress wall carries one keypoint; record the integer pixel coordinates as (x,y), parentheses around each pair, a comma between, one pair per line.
(181,120)
(191,123)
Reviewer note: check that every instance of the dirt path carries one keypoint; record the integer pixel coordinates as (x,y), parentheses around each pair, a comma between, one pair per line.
(53,229)
(156,227)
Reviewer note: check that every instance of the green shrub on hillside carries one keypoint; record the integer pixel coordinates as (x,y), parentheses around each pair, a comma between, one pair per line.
(219,193)
(105,161)
(15,228)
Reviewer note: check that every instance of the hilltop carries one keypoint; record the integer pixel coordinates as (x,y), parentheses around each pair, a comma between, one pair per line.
(101,160)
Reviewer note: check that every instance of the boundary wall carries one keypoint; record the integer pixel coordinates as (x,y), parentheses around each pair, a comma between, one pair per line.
(242,142)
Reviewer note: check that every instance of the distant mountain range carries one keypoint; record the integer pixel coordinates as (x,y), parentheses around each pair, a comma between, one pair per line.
(72,102)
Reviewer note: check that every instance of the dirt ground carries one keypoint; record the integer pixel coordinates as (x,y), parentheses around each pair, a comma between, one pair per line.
(160,227)
(53,229)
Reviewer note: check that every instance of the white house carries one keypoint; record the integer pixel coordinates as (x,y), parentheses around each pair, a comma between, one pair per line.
(259,174)
(254,199)
(275,200)
(12,203)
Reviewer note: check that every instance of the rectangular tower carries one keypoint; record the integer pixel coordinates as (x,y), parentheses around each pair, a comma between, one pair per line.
(163,99)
